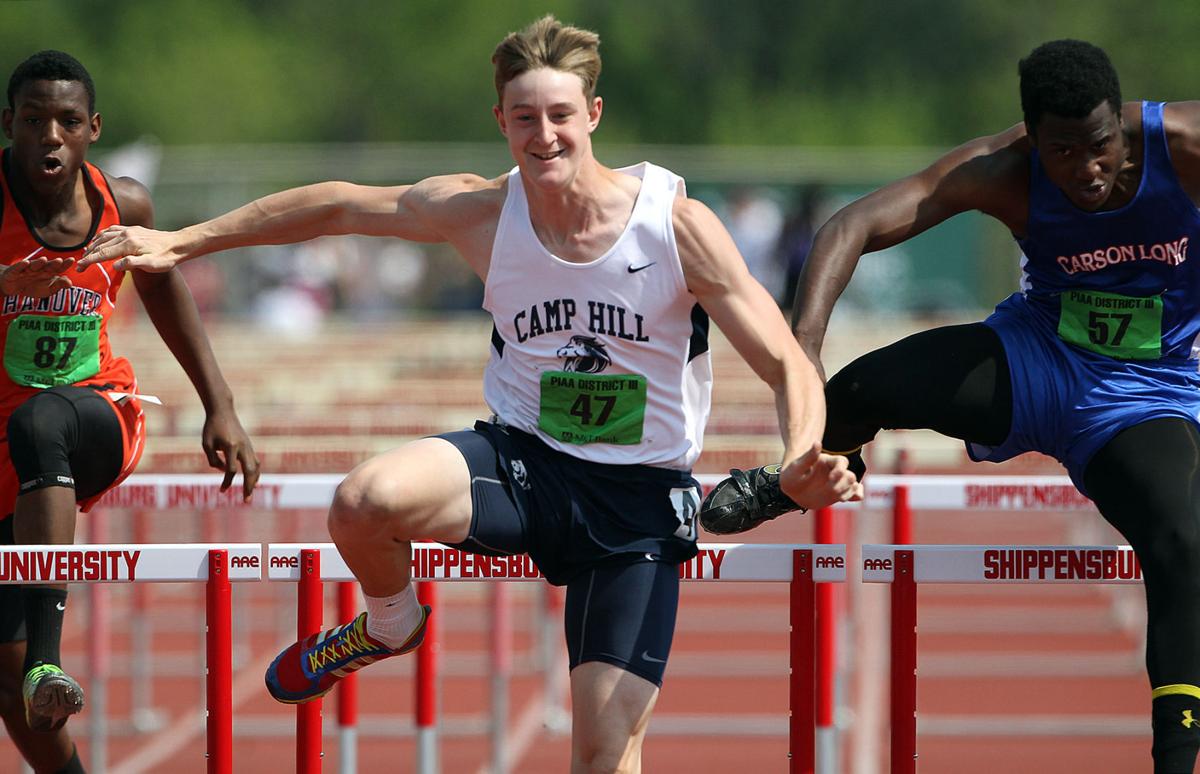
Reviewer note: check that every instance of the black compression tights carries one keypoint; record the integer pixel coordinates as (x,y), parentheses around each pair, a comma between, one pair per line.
(953,380)
(1145,481)
(69,432)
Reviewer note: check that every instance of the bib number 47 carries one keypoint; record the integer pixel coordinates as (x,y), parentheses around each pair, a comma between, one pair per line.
(585,407)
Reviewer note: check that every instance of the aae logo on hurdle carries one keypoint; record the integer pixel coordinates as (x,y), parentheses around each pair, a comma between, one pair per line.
(1005,564)
(124,563)
(762,562)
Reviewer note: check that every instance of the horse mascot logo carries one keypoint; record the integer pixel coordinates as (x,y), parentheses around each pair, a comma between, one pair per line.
(584,355)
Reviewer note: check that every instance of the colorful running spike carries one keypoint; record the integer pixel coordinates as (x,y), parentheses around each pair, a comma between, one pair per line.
(51,696)
(310,669)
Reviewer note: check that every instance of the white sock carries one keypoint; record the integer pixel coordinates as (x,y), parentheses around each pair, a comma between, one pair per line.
(391,620)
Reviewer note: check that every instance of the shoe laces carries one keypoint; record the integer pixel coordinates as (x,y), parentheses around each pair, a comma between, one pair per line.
(348,643)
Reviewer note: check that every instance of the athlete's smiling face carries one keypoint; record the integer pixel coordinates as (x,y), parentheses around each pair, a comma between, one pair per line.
(50,128)
(548,121)
(1085,156)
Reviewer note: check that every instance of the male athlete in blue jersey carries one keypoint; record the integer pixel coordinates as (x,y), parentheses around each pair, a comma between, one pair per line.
(1094,362)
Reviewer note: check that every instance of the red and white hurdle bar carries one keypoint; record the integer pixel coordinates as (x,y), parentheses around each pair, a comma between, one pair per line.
(284,491)
(217,565)
(901,493)
(801,566)
(214,565)
(906,566)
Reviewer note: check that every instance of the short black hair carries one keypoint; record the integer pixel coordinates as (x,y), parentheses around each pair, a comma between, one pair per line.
(51,65)
(1067,78)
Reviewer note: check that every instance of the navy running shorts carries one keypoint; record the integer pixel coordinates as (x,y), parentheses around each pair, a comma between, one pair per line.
(615,535)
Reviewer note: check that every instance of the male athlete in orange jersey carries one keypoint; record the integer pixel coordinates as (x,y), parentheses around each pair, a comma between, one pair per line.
(73,415)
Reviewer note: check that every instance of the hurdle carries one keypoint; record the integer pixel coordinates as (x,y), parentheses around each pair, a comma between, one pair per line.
(971,493)
(278,492)
(214,565)
(802,566)
(906,566)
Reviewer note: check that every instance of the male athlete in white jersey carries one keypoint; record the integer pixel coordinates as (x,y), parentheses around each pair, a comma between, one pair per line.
(601,284)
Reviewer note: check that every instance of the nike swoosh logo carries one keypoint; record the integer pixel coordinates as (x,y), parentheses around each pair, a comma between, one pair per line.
(647,657)
(61,606)
(636,269)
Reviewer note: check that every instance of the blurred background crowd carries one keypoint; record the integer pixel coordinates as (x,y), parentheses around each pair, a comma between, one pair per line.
(775,113)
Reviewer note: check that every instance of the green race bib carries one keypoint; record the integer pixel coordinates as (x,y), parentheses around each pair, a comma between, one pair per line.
(47,351)
(1118,326)
(592,408)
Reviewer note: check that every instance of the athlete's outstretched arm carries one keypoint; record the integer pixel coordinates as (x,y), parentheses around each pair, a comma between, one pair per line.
(425,212)
(745,312)
(980,175)
(170,306)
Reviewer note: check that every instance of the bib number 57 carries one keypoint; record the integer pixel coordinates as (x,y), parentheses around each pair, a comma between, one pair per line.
(1099,327)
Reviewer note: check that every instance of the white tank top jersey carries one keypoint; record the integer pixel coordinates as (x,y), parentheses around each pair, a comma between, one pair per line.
(608,360)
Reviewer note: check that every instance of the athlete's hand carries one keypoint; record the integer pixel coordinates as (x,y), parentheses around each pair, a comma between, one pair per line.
(228,447)
(817,480)
(134,247)
(36,277)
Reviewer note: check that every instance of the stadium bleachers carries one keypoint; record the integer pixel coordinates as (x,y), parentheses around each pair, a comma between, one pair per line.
(323,402)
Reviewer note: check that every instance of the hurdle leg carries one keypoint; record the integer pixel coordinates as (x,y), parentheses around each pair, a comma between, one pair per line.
(802,688)
(99,653)
(501,667)
(219,668)
(554,676)
(426,686)
(904,666)
(308,716)
(826,659)
(144,715)
(347,692)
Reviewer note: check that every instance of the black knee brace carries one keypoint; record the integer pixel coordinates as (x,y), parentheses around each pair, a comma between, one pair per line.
(66,436)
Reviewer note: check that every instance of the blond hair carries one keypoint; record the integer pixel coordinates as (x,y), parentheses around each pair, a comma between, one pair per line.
(548,43)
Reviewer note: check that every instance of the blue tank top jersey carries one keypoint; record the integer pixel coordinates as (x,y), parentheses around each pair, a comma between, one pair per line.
(1118,283)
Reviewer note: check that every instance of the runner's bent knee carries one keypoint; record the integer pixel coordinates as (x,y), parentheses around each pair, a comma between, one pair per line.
(849,406)
(420,491)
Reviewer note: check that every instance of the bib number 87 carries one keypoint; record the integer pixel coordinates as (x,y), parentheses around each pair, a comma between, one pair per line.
(45,355)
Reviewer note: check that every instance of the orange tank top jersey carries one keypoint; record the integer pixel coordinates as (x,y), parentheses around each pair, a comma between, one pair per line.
(63,339)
